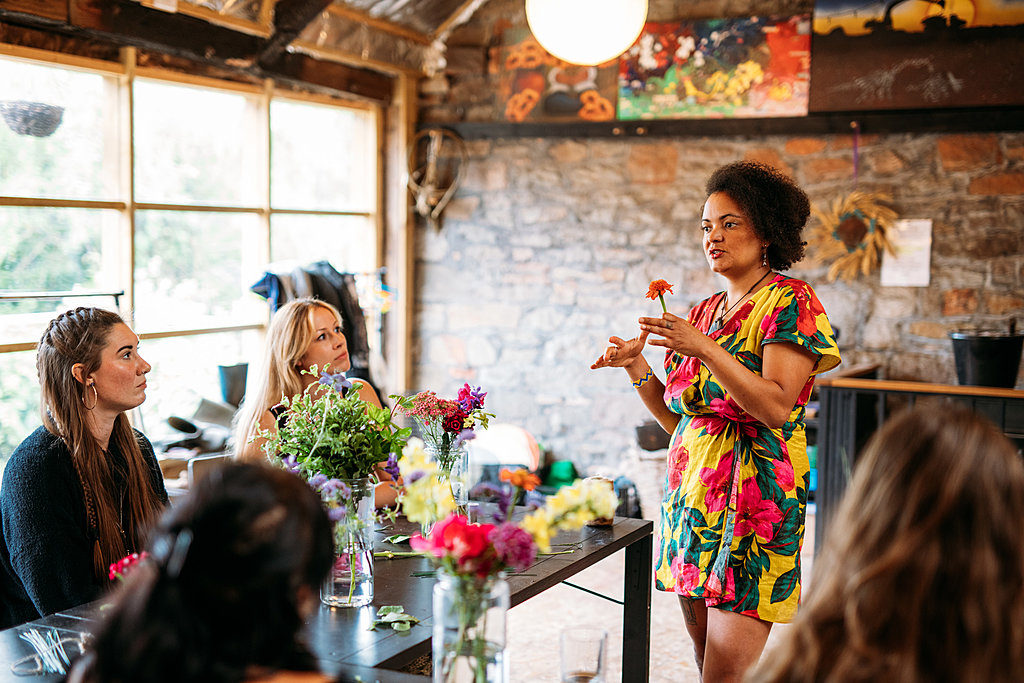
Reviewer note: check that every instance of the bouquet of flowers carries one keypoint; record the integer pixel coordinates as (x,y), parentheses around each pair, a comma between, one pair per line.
(446,423)
(472,555)
(336,441)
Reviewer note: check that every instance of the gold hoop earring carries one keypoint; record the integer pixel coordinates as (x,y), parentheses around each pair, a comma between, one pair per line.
(95,398)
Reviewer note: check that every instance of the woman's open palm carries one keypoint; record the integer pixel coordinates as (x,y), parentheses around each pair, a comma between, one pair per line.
(621,352)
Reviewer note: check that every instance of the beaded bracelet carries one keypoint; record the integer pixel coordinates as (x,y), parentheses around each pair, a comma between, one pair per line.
(639,382)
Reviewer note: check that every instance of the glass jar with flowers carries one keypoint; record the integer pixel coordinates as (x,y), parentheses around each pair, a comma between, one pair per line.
(446,425)
(471,596)
(337,442)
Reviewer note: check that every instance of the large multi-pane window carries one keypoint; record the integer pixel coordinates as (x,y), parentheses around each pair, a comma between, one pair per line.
(168,197)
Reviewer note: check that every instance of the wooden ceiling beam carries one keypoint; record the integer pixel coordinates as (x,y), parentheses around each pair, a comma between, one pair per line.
(379,24)
(291,17)
(123,22)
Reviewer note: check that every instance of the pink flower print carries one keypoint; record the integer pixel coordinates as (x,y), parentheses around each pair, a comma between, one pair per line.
(784,475)
(687,576)
(684,377)
(725,414)
(755,514)
(717,480)
(713,588)
(678,459)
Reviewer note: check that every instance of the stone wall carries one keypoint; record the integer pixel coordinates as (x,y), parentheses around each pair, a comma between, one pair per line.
(549,245)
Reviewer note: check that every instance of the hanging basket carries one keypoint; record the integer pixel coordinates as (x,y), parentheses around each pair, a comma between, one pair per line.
(31,118)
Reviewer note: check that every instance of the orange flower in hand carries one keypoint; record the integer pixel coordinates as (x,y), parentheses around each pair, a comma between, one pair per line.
(521,478)
(657,289)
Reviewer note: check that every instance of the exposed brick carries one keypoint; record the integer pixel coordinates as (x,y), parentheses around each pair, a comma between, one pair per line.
(569,152)
(828,169)
(438,85)
(959,302)
(652,164)
(967,152)
(464,60)
(841,142)
(804,146)
(885,162)
(998,183)
(1003,303)
(932,330)
(767,155)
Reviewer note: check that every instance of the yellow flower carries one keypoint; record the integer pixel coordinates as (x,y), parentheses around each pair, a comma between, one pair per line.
(537,525)
(425,497)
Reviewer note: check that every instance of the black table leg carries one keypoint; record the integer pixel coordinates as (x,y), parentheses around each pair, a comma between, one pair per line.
(636,612)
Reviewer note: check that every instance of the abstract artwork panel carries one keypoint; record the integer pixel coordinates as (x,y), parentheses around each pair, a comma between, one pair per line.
(720,68)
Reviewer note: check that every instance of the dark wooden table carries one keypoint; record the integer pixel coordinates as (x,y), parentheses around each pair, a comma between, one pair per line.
(345,646)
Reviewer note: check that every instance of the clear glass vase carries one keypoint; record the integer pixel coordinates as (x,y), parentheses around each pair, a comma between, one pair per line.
(469,629)
(350,581)
(453,463)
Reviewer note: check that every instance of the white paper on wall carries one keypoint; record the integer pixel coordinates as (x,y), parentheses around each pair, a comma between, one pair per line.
(911,266)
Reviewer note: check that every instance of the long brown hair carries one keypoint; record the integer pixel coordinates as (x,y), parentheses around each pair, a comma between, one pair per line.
(79,336)
(921,577)
(288,338)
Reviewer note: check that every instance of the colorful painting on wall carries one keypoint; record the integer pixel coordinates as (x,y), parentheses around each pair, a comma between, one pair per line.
(910,54)
(535,86)
(749,67)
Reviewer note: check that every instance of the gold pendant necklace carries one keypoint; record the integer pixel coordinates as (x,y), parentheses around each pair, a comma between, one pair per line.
(719,322)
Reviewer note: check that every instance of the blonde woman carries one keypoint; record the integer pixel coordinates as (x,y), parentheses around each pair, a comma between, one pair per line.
(303,333)
(921,577)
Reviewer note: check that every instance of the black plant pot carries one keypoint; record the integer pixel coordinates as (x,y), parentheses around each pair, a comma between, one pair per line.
(987,359)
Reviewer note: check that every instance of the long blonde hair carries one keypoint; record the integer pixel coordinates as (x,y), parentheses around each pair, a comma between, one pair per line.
(289,336)
(921,577)
(78,336)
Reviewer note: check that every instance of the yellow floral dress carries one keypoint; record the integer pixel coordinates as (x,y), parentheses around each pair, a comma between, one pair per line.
(732,521)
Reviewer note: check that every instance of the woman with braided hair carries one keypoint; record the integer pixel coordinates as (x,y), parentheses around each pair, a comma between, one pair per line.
(81,491)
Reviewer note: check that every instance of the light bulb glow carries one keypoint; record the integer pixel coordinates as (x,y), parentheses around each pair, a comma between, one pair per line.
(586,31)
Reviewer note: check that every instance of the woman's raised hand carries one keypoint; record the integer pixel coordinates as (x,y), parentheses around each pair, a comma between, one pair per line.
(621,352)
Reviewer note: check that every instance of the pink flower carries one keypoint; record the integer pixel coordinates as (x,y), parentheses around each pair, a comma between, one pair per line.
(678,459)
(687,575)
(784,475)
(467,544)
(717,480)
(754,514)
(514,546)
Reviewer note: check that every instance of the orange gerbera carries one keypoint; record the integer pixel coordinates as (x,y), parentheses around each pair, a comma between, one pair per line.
(657,290)
(521,478)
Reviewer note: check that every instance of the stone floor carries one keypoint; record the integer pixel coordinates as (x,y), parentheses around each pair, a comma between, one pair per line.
(534,626)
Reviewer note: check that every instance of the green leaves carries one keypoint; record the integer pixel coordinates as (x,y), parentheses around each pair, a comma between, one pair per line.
(343,437)
(395,617)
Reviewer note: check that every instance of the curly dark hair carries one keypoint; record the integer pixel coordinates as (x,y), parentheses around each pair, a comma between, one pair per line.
(775,205)
(220,592)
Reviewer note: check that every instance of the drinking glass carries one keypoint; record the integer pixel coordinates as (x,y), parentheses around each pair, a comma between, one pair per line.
(583,654)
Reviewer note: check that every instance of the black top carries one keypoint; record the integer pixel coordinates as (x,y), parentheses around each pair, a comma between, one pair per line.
(46,548)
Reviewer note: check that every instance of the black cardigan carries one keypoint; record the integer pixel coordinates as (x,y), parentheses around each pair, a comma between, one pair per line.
(46,547)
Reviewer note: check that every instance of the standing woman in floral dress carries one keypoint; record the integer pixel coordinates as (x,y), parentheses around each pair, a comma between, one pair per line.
(740,367)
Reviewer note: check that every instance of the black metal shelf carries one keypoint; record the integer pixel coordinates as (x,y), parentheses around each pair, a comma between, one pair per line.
(974,120)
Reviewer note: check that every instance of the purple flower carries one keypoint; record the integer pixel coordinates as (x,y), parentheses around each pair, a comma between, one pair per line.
(291,463)
(337,514)
(514,546)
(391,467)
(337,381)
(471,398)
(415,476)
(335,487)
(318,480)
(465,435)
(501,494)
